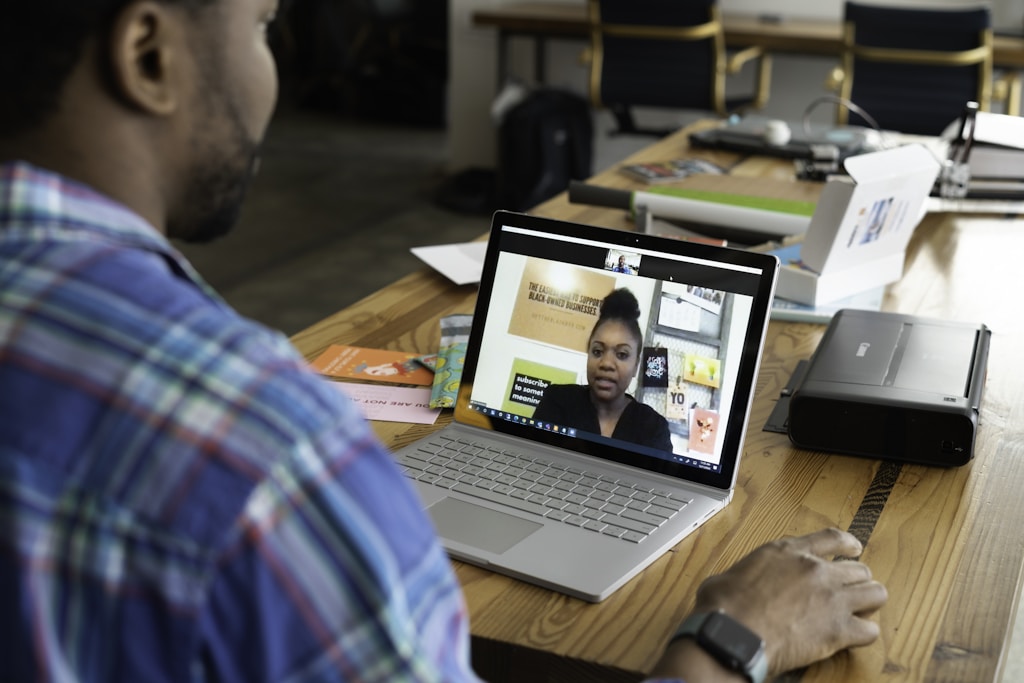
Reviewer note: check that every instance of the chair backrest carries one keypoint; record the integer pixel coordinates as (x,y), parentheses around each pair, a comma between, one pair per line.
(914,69)
(658,53)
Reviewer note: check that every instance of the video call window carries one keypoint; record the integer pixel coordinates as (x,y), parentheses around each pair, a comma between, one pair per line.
(620,261)
(543,332)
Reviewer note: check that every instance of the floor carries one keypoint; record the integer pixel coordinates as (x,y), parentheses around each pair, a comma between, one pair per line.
(331,218)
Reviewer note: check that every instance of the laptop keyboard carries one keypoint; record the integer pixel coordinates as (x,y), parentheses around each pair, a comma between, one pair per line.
(595,501)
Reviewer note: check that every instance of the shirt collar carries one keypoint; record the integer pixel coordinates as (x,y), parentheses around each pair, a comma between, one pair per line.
(32,198)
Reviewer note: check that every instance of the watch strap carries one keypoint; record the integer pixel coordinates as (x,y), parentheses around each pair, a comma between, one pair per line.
(756,669)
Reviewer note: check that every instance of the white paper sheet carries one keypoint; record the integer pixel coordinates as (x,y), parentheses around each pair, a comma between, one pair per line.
(461,263)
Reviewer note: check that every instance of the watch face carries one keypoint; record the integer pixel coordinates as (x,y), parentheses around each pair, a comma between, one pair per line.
(730,638)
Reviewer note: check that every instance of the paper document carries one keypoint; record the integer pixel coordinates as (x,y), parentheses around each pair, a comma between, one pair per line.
(391,404)
(968,205)
(461,263)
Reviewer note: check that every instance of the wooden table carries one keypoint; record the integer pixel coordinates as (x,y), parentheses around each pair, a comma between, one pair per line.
(541,21)
(948,543)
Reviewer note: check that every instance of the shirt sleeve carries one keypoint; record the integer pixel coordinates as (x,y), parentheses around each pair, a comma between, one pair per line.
(335,574)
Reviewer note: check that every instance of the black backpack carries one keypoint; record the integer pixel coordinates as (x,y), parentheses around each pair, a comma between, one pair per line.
(543,142)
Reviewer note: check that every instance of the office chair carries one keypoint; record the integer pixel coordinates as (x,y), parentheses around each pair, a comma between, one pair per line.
(913,70)
(665,54)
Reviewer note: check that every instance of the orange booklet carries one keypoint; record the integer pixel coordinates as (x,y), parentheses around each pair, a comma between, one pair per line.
(375,365)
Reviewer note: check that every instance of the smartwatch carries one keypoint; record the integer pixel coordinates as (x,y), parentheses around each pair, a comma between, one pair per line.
(732,644)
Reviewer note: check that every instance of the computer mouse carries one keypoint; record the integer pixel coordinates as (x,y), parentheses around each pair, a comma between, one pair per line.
(777,132)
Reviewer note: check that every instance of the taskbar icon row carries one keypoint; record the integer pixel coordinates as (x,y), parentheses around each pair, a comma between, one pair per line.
(695,462)
(520,419)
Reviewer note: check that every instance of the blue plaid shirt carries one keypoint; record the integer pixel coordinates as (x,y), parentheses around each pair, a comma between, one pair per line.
(180,499)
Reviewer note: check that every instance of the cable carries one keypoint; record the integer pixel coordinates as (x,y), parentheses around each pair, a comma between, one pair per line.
(826,157)
(842,101)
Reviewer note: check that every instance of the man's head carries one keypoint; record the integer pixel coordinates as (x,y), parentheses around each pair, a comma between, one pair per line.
(160,104)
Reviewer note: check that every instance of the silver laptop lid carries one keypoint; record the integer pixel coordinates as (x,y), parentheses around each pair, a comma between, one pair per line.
(703,318)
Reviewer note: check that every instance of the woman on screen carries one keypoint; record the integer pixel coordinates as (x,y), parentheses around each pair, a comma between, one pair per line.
(602,406)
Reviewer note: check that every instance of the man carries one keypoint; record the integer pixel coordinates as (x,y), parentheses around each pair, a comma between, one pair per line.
(180,498)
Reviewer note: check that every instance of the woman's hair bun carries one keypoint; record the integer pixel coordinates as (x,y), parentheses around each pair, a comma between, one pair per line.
(620,304)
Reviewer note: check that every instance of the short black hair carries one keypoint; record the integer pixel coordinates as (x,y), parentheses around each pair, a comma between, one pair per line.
(41,41)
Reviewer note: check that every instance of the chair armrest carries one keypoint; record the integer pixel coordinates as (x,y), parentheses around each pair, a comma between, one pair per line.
(738,59)
(1007,89)
(764,71)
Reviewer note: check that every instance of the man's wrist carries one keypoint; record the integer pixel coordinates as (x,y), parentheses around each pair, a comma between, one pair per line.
(730,643)
(685,659)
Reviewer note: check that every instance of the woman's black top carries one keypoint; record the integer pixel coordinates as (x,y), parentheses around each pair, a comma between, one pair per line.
(569,405)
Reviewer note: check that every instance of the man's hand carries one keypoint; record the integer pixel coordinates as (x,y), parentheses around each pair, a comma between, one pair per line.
(803,605)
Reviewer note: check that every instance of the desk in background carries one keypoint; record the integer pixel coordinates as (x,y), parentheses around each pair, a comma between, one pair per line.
(543,21)
(948,543)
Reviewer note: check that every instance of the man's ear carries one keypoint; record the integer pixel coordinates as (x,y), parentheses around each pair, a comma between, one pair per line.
(146,47)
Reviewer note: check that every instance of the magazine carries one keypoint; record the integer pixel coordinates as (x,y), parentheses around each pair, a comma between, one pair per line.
(375,365)
(655,172)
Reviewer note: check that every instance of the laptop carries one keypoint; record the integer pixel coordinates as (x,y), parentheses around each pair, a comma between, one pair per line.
(748,135)
(560,505)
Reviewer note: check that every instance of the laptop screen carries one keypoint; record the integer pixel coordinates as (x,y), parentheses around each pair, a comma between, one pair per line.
(624,346)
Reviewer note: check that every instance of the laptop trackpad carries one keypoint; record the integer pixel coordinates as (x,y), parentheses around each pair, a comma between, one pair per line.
(479,527)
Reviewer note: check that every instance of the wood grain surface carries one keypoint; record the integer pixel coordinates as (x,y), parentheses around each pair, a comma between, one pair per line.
(948,543)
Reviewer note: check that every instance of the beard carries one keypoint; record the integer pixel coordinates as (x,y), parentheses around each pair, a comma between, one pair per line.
(219,180)
(214,194)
